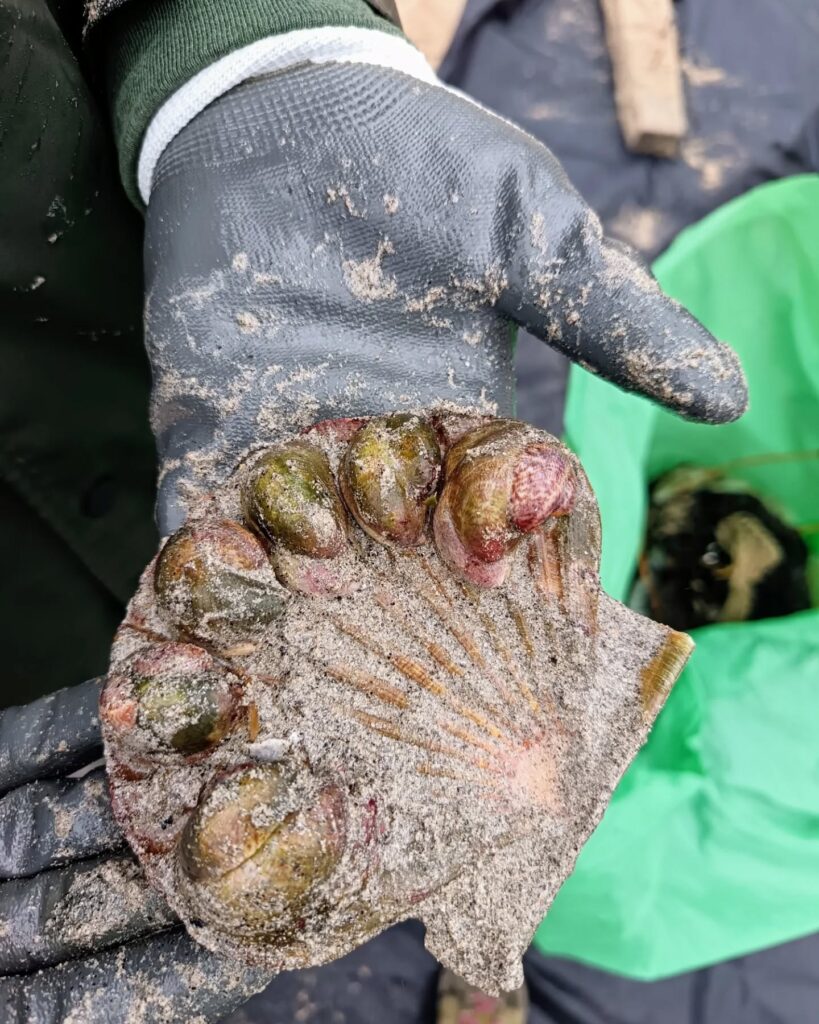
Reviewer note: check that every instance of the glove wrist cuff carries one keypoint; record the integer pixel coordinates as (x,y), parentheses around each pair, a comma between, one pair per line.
(346,45)
(151,50)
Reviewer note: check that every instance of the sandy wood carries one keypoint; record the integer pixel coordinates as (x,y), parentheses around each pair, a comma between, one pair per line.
(644,47)
(431,24)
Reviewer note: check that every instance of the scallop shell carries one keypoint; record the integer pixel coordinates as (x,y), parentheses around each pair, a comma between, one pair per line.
(430,730)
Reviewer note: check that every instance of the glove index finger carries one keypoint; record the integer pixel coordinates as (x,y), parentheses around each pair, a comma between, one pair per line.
(594,300)
(76,910)
(51,736)
(167,979)
(54,821)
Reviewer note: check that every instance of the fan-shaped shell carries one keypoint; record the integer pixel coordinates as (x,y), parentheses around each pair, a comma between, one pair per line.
(426,725)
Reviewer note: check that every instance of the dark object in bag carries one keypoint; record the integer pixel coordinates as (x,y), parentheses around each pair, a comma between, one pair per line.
(716,553)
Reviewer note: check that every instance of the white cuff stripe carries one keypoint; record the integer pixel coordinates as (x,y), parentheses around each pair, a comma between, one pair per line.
(317,46)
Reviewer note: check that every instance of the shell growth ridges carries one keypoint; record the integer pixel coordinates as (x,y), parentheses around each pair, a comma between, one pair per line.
(374,677)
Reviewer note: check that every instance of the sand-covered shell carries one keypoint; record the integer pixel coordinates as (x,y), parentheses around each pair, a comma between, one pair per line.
(388,477)
(420,710)
(212,580)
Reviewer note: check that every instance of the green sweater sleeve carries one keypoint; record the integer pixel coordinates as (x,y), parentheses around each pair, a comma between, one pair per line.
(147,51)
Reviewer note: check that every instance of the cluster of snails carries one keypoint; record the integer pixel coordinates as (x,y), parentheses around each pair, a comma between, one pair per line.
(493,485)
(483,488)
(257,840)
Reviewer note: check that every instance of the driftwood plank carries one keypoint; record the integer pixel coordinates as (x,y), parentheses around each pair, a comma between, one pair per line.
(648,87)
(431,24)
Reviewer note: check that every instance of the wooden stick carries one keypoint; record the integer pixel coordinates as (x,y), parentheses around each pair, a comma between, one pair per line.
(648,86)
(431,24)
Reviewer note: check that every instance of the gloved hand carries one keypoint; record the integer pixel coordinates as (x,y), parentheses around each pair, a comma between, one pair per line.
(82,938)
(344,239)
(329,241)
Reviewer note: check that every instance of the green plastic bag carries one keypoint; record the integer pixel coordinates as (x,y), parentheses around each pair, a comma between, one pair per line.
(710,847)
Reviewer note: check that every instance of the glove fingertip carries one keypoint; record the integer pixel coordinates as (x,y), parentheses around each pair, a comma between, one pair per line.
(53,735)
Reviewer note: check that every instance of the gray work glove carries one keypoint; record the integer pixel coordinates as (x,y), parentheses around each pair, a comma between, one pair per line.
(82,937)
(342,239)
(329,241)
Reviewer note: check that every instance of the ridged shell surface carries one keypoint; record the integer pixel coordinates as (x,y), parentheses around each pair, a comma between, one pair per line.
(374,677)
